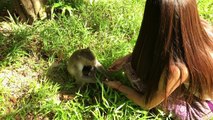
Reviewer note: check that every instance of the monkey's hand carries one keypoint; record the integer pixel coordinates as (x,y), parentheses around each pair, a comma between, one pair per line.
(119,63)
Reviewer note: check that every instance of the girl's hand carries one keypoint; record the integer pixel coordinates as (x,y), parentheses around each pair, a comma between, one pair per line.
(118,64)
(113,84)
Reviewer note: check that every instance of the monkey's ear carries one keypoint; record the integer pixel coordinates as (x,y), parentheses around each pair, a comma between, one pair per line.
(88,48)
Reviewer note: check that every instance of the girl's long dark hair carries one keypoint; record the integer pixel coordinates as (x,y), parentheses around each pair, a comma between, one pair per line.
(171,32)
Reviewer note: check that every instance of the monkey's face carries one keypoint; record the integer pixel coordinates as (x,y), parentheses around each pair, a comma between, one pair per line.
(88,71)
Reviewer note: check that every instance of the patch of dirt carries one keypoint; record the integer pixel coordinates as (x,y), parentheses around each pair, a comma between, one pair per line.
(17,78)
(5,28)
(31,116)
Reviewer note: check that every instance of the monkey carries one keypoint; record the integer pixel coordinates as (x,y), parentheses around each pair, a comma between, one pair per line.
(82,65)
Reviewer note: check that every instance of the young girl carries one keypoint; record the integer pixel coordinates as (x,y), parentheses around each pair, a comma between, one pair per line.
(171,65)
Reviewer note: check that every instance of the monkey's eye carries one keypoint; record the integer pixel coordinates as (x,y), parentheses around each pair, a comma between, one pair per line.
(86,70)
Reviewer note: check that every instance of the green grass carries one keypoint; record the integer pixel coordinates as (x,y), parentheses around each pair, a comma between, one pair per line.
(33,76)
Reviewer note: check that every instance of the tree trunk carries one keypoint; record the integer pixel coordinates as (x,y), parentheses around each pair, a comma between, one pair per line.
(27,10)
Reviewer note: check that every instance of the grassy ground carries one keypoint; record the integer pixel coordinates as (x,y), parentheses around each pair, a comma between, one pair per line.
(34,83)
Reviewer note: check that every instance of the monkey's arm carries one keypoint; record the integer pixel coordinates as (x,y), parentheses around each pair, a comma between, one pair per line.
(87,79)
(101,69)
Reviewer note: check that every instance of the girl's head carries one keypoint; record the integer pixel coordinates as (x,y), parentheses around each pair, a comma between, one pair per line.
(172,32)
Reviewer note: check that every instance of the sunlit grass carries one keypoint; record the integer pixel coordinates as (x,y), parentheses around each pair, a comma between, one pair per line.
(33,76)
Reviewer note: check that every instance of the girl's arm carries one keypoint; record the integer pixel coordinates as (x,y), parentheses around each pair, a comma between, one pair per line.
(136,97)
(208,28)
(162,92)
(118,64)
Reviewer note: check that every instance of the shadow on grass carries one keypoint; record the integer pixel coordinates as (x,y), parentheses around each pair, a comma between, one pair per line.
(10,44)
(57,73)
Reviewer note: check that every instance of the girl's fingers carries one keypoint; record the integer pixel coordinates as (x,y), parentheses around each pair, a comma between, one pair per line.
(117,65)
(113,84)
